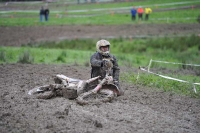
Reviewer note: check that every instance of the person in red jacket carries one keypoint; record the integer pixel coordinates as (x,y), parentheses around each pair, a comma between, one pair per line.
(140,12)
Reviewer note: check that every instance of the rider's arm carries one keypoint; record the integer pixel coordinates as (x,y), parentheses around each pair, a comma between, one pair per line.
(116,69)
(95,60)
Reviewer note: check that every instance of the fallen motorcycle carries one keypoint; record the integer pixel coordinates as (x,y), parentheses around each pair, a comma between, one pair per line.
(64,86)
(84,91)
(81,90)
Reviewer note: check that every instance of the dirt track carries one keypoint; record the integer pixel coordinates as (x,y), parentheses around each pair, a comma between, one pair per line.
(139,110)
(15,36)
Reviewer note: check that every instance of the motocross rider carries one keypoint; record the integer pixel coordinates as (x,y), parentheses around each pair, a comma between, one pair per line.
(100,59)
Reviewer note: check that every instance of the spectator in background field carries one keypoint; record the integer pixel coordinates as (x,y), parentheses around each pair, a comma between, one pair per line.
(41,14)
(147,12)
(46,13)
(140,12)
(133,13)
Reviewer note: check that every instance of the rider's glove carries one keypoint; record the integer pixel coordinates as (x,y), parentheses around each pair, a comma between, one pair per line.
(107,63)
(109,79)
(112,60)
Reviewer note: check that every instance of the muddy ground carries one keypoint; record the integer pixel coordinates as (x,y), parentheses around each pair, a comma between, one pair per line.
(15,36)
(140,109)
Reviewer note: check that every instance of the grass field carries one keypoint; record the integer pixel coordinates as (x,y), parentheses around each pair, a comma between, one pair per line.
(178,11)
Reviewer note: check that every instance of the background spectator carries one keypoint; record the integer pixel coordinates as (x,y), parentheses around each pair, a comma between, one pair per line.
(133,13)
(140,12)
(46,13)
(147,12)
(41,14)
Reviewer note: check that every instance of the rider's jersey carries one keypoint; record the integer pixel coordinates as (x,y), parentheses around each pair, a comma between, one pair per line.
(97,69)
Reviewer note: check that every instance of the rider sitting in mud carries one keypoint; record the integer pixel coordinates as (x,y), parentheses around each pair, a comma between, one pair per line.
(104,79)
(100,59)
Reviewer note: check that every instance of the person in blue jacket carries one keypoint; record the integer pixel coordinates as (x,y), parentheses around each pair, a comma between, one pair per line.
(133,13)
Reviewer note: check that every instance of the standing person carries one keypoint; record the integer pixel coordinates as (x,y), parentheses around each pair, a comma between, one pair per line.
(41,14)
(46,13)
(133,13)
(140,12)
(98,62)
(147,12)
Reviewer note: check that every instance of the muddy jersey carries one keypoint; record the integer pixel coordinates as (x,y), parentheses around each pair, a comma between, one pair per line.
(96,61)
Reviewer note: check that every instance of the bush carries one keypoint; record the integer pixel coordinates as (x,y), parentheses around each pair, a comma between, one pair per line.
(62,57)
(25,58)
(2,56)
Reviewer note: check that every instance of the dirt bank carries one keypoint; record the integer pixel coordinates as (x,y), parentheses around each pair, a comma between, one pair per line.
(16,36)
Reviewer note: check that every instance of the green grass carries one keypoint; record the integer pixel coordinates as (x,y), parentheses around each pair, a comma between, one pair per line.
(47,56)
(182,49)
(130,53)
(163,84)
(111,14)
(20,19)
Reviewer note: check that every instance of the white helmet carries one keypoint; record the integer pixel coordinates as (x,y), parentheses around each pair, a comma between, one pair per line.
(101,43)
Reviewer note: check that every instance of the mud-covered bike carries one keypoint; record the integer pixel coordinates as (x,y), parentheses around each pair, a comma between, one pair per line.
(84,91)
